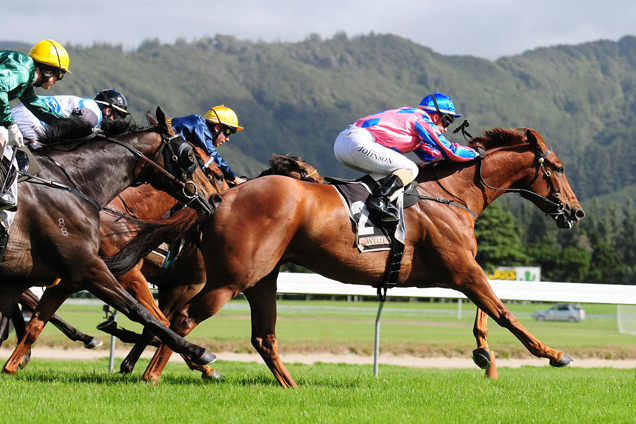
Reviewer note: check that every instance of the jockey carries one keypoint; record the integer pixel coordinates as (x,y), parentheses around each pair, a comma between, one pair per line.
(377,144)
(46,63)
(113,104)
(210,132)
(31,127)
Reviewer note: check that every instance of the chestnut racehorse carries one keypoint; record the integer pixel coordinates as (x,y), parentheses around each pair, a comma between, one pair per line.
(56,230)
(274,220)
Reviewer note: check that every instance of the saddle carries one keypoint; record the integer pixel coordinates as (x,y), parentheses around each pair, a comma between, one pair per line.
(373,234)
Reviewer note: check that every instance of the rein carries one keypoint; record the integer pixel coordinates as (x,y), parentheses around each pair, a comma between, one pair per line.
(34,179)
(560,207)
(75,190)
(166,142)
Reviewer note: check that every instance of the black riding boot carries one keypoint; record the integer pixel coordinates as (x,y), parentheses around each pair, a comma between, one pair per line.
(379,201)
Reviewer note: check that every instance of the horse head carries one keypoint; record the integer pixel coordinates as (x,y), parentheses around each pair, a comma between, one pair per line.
(541,177)
(180,161)
(211,170)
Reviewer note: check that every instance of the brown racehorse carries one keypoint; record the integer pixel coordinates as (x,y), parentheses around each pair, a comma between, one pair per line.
(56,231)
(274,220)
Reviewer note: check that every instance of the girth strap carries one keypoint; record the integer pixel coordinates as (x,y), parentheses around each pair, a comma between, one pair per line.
(394,265)
(397,248)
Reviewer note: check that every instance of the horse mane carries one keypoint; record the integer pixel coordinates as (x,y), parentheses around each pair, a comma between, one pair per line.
(70,129)
(498,137)
(119,127)
(73,128)
(280,165)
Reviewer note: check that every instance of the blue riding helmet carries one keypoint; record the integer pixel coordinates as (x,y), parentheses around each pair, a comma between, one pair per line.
(445,103)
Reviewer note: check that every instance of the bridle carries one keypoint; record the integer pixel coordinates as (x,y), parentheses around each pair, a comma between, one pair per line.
(561,209)
(180,157)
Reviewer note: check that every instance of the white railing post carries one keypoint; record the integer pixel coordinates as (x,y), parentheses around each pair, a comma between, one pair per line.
(376,343)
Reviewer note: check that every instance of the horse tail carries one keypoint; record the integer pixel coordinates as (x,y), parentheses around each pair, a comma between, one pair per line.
(149,237)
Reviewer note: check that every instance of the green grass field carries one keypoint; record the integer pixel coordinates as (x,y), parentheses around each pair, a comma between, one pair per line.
(76,392)
(420,329)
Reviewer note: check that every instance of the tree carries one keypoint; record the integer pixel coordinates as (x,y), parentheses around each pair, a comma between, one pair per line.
(498,239)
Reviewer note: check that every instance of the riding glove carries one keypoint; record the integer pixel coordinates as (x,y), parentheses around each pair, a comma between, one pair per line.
(15,136)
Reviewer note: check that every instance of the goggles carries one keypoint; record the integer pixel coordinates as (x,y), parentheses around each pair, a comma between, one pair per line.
(445,119)
(228,130)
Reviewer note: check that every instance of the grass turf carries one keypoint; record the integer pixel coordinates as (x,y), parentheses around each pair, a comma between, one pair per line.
(69,392)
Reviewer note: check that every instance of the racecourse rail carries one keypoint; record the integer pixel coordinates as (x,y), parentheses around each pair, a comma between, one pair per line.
(297,283)
(315,284)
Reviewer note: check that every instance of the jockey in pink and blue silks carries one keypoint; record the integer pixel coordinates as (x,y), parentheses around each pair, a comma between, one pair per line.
(377,144)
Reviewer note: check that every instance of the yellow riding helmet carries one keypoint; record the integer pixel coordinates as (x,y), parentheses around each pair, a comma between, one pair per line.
(51,53)
(223,115)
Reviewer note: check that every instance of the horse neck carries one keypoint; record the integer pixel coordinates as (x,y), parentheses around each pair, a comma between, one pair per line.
(501,168)
(103,169)
(145,202)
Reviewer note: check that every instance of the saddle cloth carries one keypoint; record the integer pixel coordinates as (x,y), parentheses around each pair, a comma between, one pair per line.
(371,233)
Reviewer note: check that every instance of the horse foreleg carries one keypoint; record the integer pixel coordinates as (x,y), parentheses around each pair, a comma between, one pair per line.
(204,305)
(483,356)
(135,283)
(103,285)
(50,302)
(480,292)
(262,299)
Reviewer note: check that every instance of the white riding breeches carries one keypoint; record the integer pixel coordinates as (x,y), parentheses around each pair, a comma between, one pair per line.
(356,148)
(6,217)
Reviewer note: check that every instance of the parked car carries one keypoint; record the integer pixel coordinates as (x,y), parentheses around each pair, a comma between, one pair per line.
(561,312)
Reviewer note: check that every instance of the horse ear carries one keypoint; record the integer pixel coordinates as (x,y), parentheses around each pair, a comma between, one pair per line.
(151,119)
(163,121)
(532,137)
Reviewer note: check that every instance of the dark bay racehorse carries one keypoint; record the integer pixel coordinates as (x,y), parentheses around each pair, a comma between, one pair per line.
(56,230)
(274,220)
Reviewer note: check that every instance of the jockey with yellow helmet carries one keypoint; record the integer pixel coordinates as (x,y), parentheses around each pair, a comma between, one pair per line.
(46,63)
(209,132)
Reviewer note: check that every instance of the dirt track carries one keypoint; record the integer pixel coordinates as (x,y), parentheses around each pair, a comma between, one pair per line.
(406,361)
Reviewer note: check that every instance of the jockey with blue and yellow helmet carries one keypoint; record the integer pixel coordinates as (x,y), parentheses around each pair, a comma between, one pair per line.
(209,132)
(46,63)
(377,144)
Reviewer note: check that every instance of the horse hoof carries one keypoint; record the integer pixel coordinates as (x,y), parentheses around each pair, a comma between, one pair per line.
(125,369)
(25,360)
(206,358)
(93,343)
(563,362)
(481,357)
(214,375)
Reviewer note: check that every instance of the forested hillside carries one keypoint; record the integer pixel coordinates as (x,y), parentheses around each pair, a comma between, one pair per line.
(296,97)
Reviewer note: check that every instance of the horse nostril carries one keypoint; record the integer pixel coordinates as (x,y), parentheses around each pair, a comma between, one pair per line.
(579,214)
(215,200)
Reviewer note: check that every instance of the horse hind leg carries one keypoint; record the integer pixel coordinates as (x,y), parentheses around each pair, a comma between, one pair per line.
(484,358)
(204,305)
(30,300)
(262,300)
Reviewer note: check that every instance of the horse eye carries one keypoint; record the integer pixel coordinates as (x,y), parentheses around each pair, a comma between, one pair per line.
(560,170)
(219,177)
